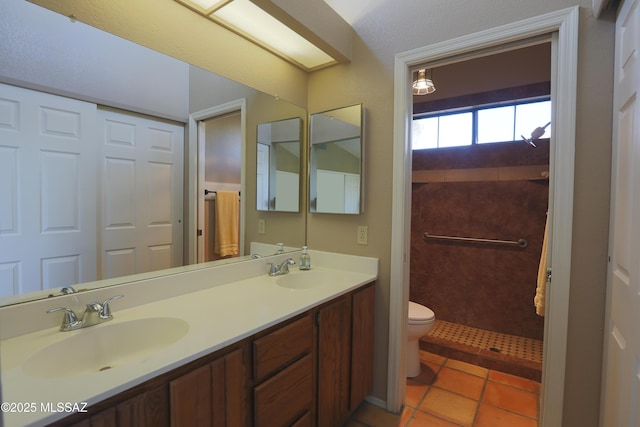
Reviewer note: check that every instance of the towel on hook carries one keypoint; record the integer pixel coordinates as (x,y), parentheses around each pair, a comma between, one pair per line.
(227,223)
(538,300)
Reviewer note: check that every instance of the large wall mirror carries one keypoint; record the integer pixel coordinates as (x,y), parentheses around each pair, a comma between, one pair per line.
(278,165)
(335,161)
(72,60)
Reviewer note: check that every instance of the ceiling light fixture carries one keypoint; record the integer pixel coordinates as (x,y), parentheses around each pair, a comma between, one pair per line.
(422,83)
(269,26)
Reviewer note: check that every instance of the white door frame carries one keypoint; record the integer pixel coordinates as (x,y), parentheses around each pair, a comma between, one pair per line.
(196,173)
(563,25)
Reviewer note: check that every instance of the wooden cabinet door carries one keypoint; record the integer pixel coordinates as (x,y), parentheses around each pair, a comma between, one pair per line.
(150,408)
(190,397)
(229,391)
(362,345)
(334,361)
(212,395)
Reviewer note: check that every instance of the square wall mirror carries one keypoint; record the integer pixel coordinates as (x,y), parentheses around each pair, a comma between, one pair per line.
(278,165)
(335,161)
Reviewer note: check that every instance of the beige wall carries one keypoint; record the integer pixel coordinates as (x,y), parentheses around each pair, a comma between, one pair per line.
(368,79)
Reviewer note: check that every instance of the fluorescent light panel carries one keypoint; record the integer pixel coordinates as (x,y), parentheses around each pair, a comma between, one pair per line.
(253,23)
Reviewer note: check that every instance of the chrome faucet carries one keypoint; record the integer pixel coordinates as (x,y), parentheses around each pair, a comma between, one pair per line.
(68,290)
(94,313)
(283,268)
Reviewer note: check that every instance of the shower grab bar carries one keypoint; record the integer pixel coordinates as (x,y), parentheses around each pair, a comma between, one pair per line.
(521,243)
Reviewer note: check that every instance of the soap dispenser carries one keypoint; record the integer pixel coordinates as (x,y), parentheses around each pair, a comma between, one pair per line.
(305,260)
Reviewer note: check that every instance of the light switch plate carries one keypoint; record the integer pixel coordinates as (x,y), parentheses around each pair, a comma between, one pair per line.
(261,226)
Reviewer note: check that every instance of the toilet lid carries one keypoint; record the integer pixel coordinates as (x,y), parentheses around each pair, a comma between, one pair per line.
(420,312)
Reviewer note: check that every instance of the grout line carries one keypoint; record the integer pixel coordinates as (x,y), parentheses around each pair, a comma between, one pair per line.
(481,398)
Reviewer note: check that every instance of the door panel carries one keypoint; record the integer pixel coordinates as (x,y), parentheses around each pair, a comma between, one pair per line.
(620,404)
(47,191)
(142,175)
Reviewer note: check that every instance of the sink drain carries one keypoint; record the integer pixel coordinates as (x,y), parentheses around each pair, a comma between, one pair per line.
(104,368)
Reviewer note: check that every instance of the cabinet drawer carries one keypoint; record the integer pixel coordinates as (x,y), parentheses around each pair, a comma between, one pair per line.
(276,350)
(284,398)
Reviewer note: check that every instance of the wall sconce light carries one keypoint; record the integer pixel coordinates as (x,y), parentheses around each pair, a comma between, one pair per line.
(286,33)
(422,83)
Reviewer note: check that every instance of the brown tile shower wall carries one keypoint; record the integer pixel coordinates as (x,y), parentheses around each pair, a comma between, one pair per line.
(484,286)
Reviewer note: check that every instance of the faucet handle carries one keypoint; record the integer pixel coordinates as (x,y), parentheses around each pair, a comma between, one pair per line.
(69,321)
(106,308)
(273,269)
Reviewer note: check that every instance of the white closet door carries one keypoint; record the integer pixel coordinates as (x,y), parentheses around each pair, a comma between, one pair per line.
(621,378)
(351,193)
(287,191)
(141,201)
(47,191)
(330,190)
(262,178)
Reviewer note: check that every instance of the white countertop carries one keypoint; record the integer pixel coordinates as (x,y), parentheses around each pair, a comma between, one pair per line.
(216,317)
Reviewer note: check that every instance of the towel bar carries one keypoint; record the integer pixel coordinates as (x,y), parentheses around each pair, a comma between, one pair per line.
(521,243)
(207,192)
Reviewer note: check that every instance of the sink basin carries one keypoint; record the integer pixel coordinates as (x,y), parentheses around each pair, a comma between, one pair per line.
(106,346)
(308,279)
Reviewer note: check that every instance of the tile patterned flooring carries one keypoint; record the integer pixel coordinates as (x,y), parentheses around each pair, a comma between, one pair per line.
(450,393)
(511,345)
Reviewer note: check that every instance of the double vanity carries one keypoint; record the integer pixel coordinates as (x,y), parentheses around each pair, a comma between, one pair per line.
(228,345)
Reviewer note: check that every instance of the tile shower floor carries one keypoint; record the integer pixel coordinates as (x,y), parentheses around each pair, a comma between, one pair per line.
(503,352)
(511,345)
(450,393)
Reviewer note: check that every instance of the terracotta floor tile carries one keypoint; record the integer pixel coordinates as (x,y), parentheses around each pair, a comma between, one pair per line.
(427,373)
(467,367)
(460,382)
(443,396)
(422,419)
(406,415)
(514,381)
(436,359)
(510,398)
(490,416)
(450,406)
(414,393)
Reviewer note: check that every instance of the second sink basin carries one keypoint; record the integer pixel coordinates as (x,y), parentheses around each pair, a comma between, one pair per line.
(308,279)
(107,346)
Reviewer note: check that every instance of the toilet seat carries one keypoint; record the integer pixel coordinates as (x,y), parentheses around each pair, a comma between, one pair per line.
(420,314)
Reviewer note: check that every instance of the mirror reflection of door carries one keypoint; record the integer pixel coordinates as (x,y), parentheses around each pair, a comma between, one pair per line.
(220,141)
(278,166)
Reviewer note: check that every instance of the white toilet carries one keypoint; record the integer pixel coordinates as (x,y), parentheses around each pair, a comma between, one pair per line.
(421,320)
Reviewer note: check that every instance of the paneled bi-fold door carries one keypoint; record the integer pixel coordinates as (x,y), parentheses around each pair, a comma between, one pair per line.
(141,163)
(47,185)
(85,193)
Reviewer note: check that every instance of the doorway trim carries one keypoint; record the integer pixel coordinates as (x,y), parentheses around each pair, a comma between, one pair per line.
(196,175)
(562,25)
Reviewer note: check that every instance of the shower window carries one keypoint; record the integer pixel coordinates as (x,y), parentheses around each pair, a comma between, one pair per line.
(480,125)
